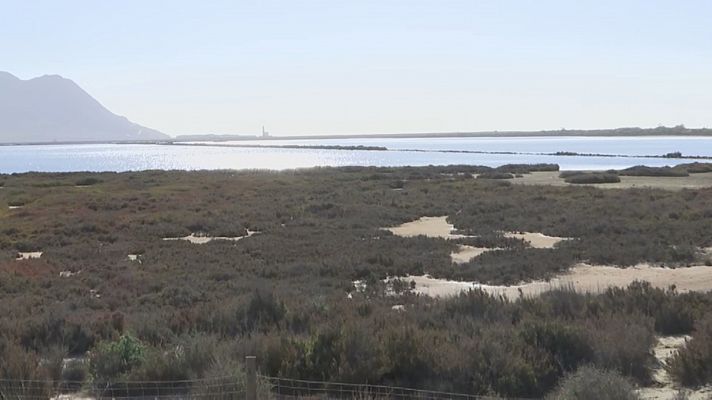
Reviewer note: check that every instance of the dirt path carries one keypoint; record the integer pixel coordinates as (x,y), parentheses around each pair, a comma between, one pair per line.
(665,388)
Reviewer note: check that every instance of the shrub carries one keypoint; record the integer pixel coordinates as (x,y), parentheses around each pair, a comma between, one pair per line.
(226,380)
(642,170)
(527,168)
(495,175)
(589,383)
(113,360)
(622,343)
(74,374)
(590,177)
(696,167)
(16,364)
(88,181)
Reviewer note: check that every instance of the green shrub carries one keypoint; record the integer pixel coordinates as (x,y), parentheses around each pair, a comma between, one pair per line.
(111,361)
(589,383)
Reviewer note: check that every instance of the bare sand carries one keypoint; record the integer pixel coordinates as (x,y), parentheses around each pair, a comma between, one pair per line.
(28,255)
(582,278)
(434,227)
(694,181)
(68,274)
(202,239)
(14,207)
(438,227)
(665,388)
(536,240)
(466,253)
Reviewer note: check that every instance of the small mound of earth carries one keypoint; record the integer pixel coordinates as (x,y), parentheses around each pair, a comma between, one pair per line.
(28,255)
(434,227)
(536,240)
(201,239)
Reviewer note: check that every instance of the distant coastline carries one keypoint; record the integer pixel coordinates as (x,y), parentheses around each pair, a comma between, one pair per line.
(659,131)
(618,132)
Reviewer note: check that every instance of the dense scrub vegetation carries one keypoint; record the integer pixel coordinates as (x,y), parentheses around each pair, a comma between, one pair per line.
(286,294)
(589,177)
(642,170)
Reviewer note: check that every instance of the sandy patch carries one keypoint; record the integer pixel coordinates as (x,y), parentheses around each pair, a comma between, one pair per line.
(582,278)
(68,274)
(72,396)
(14,207)
(665,388)
(398,307)
(135,257)
(694,181)
(202,239)
(536,240)
(28,255)
(434,227)
(466,253)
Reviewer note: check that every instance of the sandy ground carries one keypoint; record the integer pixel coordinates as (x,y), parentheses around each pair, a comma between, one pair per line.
(68,274)
(14,207)
(536,240)
(200,239)
(582,278)
(438,227)
(28,255)
(466,253)
(665,388)
(694,181)
(134,257)
(434,227)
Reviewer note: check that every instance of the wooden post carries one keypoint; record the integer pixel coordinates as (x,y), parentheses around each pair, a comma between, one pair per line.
(251,390)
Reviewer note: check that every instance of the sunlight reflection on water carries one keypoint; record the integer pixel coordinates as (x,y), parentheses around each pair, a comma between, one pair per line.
(133,157)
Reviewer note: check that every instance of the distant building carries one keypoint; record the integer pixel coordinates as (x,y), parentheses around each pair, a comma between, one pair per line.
(264,132)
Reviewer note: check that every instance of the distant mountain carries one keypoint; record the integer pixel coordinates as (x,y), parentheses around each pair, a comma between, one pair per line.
(54,109)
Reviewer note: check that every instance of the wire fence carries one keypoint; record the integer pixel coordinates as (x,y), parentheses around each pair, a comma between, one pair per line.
(285,388)
(251,386)
(224,388)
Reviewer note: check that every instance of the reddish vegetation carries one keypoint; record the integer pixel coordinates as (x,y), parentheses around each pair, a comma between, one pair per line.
(32,269)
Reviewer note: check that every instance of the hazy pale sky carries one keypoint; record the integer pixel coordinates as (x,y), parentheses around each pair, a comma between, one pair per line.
(363,66)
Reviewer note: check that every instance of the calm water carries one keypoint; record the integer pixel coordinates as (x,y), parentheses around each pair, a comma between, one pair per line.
(124,157)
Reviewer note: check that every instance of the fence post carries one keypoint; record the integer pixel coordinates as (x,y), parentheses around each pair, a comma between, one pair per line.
(251,389)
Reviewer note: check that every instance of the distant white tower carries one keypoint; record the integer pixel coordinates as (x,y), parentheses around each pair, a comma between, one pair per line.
(264,132)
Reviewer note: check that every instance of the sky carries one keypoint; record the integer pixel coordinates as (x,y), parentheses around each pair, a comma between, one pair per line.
(364,66)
